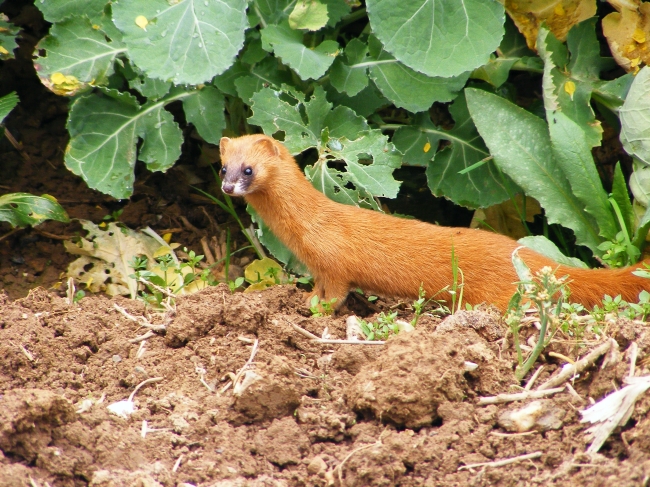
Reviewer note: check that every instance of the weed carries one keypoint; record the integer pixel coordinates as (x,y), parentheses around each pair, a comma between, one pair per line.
(321,307)
(382,329)
(548,293)
(458,282)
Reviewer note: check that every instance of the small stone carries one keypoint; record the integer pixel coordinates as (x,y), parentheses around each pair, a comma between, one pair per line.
(317,466)
(117,359)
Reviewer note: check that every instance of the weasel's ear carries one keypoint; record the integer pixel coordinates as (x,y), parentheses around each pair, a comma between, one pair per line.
(223,143)
(268,146)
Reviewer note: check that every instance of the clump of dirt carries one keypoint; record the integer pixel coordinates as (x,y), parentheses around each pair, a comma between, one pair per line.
(310,414)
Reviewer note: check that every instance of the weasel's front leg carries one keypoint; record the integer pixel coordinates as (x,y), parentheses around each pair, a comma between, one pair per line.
(327,290)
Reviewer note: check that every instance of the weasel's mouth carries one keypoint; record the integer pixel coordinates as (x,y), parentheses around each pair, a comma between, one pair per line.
(237,189)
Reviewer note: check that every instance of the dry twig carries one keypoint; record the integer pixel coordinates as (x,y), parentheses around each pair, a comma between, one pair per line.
(519,396)
(317,339)
(569,370)
(501,463)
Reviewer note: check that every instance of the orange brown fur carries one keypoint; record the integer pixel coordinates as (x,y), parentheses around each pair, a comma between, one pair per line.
(346,247)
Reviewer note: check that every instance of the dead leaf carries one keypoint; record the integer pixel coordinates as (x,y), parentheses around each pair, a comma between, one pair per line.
(504,217)
(105,256)
(628,32)
(559,16)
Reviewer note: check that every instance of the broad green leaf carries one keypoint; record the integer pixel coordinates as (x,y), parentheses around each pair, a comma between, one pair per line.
(309,63)
(365,103)
(309,15)
(150,87)
(438,37)
(521,146)
(407,88)
(267,73)
(22,209)
(206,111)
(104,131)
(482,186)
(635,118)
(338,135)
(418,141)
(274,114)
(640,183)
(273,11)
(620,195)
(76,56)
(186,42)
(642,230)
(544,246)
(346,74)
(226,80)
(569,80)
(56,11)
(8,33)
(7,103)
(336,10)
(495,71)
(573,155)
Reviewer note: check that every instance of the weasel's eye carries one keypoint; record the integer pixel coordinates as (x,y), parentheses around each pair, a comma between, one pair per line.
(248,171)
(223,170)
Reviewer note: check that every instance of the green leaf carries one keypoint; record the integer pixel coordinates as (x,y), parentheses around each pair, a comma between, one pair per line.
(642,230)
(544,246)
(74,48)
(635,118)
(407,88)
(309,63)
(7,103)
(309,15)
(186,42)
(273,11)
(620,195)
(573,155)
(56,11)
(336,10)
(521,146)
(640,183)
(104,131)
(274,114)
(268,73)
(206,111)
(482,186)
(150,87)
(438,37)
(496,71)
(8,33)
(345,75)
(364,103)
(22,209)
(570,80)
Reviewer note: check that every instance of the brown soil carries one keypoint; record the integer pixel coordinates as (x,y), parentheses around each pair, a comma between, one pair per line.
(404,413)
(314,414)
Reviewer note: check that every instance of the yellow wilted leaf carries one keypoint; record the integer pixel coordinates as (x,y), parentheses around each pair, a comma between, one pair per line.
(174,245)
(167,237)
(141,21)
(570,88)
(427,147)
(263,273)
(61,84)
(639,35)
(3,50)
(558,15)
(627,32)
(162,251)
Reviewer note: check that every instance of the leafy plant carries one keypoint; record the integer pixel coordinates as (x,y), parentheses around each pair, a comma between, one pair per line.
(321,307)
(23,209)
(547,293)
(381,329)
(350,88)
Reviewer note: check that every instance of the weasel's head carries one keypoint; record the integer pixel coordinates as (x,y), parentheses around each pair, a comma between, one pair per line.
(248,163)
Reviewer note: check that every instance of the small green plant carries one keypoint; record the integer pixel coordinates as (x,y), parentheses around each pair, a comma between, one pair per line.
(384,327)
(642,308)
(113,216)
(419,304)
(234,285)
(458,282)
(619,252)
(643,271)
(321,307)
(78,296)
(547,293)
(169,277)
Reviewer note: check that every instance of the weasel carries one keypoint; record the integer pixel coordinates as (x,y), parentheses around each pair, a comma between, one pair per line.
(346,247)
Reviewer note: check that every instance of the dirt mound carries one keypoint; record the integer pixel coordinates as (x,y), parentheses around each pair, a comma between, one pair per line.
(303,413)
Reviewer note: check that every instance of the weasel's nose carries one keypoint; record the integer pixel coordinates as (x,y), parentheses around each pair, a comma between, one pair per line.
(228,188)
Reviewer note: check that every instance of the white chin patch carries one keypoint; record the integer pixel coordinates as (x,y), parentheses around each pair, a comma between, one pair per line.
(239,189)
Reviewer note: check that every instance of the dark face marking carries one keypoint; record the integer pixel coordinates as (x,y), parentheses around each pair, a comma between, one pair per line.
(236,179)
